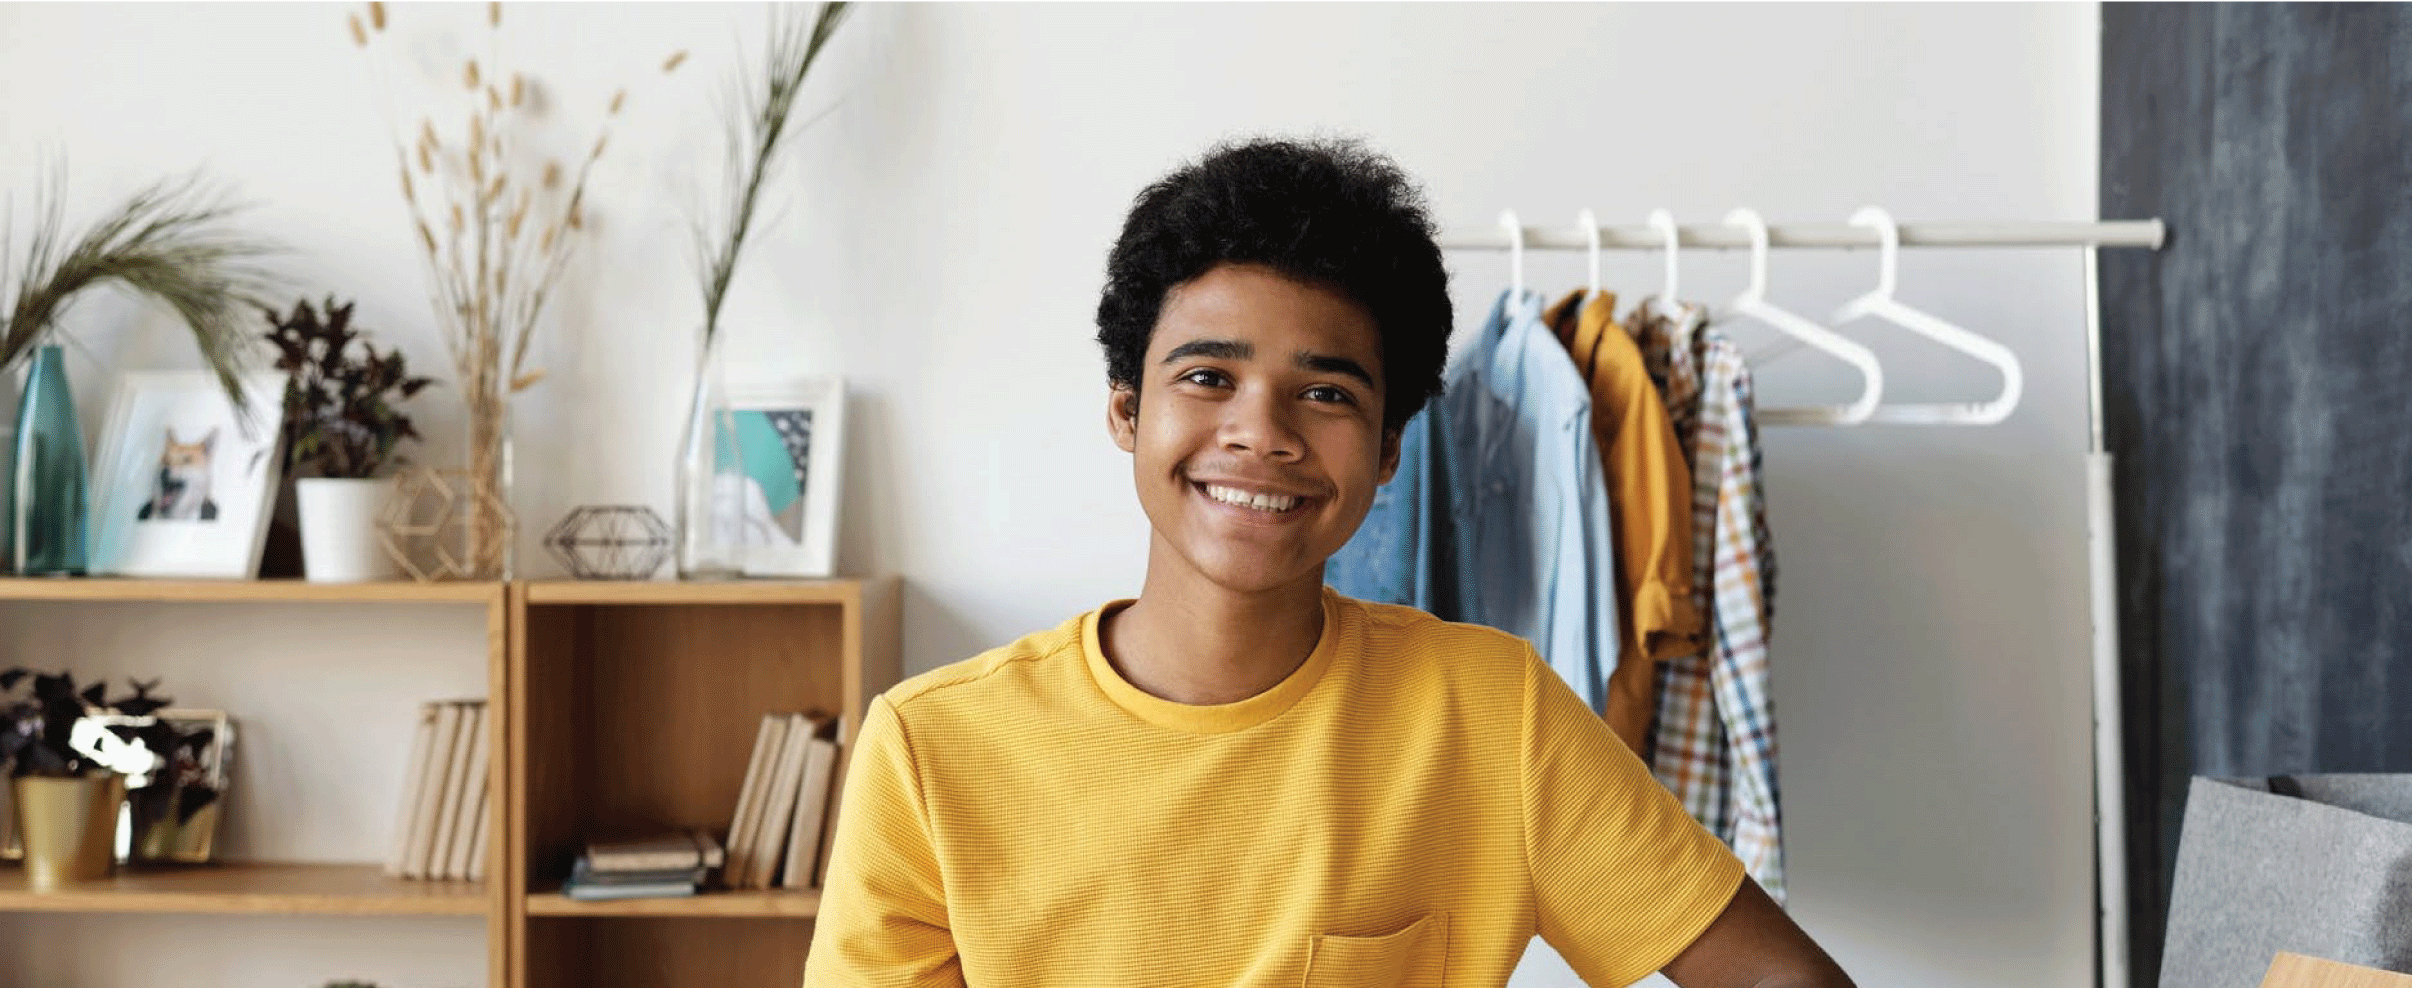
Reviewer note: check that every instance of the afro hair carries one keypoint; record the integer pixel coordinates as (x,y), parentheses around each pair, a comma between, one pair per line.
(1329,213)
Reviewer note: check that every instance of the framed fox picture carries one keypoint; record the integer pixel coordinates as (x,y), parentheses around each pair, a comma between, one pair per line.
(183,484)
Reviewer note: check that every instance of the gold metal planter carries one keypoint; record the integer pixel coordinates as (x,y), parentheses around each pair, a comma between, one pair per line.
(68,827)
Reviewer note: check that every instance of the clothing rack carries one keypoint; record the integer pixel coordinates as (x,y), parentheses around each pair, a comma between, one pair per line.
(1831,236)
(2110,794)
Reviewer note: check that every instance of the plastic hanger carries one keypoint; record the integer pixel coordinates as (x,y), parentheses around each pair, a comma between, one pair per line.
(1664,222)
(1507,218)
(1881,304)
(1591,232)
(1753,303)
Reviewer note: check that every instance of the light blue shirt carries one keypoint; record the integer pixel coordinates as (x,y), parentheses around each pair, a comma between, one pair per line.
(1498,514)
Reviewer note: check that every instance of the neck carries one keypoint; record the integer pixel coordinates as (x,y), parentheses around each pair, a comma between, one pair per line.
(1191,641)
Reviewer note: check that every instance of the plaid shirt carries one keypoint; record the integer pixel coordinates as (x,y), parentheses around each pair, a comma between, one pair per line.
(1713,741)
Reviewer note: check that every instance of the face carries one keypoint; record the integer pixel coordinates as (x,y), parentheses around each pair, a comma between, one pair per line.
(1257,439)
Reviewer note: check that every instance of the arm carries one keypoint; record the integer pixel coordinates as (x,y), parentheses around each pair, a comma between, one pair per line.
(1753,944)
(883,918)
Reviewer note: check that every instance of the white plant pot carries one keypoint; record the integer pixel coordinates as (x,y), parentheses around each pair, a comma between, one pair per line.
(339,529)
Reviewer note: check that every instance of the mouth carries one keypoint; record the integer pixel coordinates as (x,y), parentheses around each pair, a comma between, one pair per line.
(1255,503)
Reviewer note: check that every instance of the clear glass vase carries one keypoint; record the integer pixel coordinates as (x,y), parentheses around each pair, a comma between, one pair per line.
(488,526)
(711,482)
(47,477)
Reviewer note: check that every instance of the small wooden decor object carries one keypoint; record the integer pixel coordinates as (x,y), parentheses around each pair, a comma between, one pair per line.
(443,525)
(2299,971)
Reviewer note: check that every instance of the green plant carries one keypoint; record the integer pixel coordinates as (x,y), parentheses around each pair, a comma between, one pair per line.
(171,242)
(755,140)
(37,732)
(340,415)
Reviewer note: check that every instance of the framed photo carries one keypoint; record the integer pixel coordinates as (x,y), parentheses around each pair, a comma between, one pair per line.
(791,440)
(182,485)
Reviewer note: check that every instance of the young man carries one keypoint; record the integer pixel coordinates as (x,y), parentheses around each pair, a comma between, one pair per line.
(1241,778)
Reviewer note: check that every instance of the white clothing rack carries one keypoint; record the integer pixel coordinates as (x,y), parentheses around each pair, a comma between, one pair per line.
(1714,236)
(2110,841)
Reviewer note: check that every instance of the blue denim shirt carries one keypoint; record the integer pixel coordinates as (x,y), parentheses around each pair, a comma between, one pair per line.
(1498,514)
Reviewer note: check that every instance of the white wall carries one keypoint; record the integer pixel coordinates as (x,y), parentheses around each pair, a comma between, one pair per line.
(945,229)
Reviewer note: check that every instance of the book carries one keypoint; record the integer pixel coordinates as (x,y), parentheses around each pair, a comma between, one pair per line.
(591,893)
(456,785)
(669,852)
(432,787)
(422,748)
(583,873)
(778,809)
(748,819)
(471,796)
(812,809)
(485,834)
(837,795)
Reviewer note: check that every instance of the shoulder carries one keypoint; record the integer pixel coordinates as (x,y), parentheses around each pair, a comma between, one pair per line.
(1404,642)
(972,680)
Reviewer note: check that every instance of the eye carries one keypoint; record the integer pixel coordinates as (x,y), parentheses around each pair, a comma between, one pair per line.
(1206,377)
(1328,393)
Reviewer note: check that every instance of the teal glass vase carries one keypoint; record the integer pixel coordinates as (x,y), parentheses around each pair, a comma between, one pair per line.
(48,483)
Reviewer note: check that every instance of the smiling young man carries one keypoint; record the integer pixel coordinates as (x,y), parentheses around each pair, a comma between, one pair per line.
(1240,778)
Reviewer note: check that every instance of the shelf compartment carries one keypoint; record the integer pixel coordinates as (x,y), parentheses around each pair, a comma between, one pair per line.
(775,903)
(695,591)
(641,719)
(645,951)
(303,889)
(238,591)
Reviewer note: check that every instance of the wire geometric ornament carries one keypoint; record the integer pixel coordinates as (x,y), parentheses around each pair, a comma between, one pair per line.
(428,527)
(610,542)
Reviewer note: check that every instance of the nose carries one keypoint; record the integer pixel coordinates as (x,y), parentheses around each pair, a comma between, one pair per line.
(1258,423)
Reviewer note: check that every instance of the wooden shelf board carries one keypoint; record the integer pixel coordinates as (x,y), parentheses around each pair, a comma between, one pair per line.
(340,889)
(262,591)
(693,592)
(802,903)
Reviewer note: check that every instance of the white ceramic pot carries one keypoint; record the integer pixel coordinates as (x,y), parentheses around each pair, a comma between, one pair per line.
(339,529)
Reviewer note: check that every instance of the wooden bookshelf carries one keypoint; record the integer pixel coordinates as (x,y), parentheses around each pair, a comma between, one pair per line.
(776,903)
(617,709)
(635,707)
(238,591)
(323,889)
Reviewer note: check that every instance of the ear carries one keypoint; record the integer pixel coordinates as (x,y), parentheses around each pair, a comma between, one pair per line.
(171,435)
(1390,455)
(209,440)
(1122,416)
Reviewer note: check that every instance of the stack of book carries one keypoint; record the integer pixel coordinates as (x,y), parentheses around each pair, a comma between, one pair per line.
(445,824)
(672,865)
(780,834)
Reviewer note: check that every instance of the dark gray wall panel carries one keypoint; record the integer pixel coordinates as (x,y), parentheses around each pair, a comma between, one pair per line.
(2258,397)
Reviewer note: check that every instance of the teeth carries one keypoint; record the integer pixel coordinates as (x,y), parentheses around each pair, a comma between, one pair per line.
(1261,502)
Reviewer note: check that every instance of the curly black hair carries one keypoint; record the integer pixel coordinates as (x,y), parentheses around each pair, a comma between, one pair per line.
(1324,212)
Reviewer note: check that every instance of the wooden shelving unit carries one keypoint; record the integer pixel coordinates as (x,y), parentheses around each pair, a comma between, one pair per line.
(616,709)
(321,889)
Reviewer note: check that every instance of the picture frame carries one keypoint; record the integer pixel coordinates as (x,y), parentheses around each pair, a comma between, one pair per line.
(183,485)
(791,438)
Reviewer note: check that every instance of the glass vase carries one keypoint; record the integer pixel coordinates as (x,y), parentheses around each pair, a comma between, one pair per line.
(489,531)
(48,486)
(711,481)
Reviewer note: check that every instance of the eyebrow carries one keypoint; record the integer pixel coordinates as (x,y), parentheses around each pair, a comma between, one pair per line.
(1237,350)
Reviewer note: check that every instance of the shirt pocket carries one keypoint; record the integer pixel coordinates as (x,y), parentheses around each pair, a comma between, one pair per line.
(1414,957)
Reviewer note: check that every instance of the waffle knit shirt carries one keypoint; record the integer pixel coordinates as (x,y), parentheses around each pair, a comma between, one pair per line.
(1410,807)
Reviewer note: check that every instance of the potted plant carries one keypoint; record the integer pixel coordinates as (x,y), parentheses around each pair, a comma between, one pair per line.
(342,436)
(67,792)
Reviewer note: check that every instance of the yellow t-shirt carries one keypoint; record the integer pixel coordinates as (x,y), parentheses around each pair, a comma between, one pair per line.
(1410,807)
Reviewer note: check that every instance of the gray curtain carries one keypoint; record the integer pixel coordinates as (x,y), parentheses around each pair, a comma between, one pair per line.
(2258,390)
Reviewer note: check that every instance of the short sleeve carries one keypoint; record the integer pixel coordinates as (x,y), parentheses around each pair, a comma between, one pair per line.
(883,915)
(1623,879)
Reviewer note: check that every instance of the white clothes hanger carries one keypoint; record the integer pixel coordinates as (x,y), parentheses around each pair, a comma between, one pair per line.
(1507,218)
(1664,223)
(1591,231)
(1753,303)
(1881,304)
